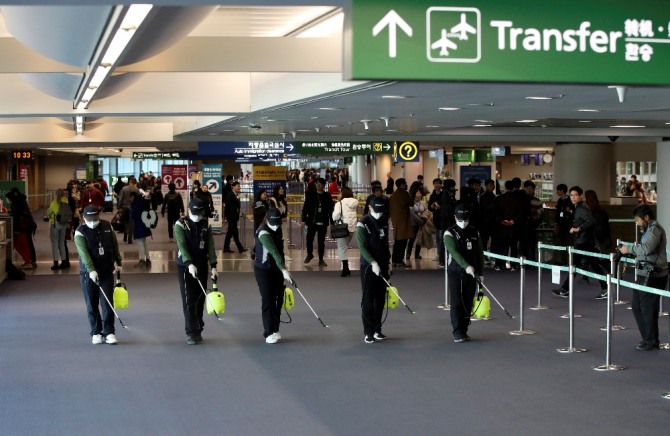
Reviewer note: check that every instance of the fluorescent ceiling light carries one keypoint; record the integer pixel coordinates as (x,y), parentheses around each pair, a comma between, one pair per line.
(539,98)
(629,126)
(584,121)
(483,121)
(449,108)
(331,109)
(107,55)
(482,125)
(588,110)
(526,121)
(431,127)
(398,97)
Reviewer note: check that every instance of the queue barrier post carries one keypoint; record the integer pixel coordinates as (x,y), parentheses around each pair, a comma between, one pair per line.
(571,281)
(446,305)
(571,304)
(608,366)
(522,331)
(539,281)
(618,277)
(613,272)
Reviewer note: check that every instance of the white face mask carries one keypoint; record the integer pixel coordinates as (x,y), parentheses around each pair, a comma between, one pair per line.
(462,224)
(194,218)
(92,224)
(273,228)
(376,215)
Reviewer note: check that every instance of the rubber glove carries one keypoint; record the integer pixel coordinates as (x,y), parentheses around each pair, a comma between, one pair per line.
(481,279)
(94,276)
(470,270)
(287,276)
(215,273)
(375,268)
(193,271)
(118,270)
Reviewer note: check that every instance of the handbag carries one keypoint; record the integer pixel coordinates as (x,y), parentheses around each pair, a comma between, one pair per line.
(339,230)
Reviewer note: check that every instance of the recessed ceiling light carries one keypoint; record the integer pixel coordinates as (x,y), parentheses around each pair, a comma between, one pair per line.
(588,110)
(331,108)
(482,125)
(229,130)
(304,130)
(483,121)
(584,121)
(480,104)
(627,126)
(539,98)
(431,127)
(526,121)
(394,131)
(394,96)
(315,118)
(448,108)
(331,126)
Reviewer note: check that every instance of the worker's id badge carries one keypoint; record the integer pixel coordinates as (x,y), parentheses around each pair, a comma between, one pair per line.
(469,245)
(561,215)
(381,233)
(202,245)
(101,251)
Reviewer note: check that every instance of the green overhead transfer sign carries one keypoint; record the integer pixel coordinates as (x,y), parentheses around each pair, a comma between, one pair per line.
(614,42)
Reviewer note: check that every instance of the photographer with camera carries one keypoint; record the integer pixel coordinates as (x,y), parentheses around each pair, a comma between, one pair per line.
(651,265)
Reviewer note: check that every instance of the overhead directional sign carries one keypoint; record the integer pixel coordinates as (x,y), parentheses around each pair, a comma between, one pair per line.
(246,150)
(406,151)
(614,42)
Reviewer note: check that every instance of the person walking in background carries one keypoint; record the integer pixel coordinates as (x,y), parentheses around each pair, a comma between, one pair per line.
(208,201)
(487,214)
(602,231)
(139,206)
(196,256)
(651,267)
(261,206)
(124,206)
(99,259)
(278,201)
(447,210)
(316,214)
(434,205)
(389,184)
(232,213)
(346,210)
(24,227)
(60,216)
(399,205)
(583,227)
(529,231)
(417,220)
(373,242)
(91,196)
(565,211)
(270,273)
(174,204)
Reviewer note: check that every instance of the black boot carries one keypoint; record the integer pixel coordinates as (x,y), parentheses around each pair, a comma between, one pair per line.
(346,272)
(55,266)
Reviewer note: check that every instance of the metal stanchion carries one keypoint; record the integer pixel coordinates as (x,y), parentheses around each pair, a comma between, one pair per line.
(660,308)
(610,318)
(539,282)
(522,331)
(571,281)
(571,348)
(614,269)
(618,276)
(446,305)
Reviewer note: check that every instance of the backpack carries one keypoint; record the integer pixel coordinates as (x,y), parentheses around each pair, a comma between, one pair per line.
(64,215)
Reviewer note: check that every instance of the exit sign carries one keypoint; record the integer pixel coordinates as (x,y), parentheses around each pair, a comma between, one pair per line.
(613,42)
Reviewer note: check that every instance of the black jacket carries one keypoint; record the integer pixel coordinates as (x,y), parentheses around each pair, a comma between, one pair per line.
(232,207)
(318,208)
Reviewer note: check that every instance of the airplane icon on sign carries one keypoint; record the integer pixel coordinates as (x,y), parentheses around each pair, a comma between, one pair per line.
(444,44)
(462,29)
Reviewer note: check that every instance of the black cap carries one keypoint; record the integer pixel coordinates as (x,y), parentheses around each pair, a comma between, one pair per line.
(196,206)
(378,205)
(274,217)
(91,212)
(462,212)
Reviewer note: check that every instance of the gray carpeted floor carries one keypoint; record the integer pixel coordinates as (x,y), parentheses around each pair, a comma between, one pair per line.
(320,381)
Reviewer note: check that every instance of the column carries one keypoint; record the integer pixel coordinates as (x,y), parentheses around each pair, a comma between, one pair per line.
(663,182)
(586,165)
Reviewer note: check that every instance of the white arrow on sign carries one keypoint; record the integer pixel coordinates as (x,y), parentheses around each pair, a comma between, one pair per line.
(289,147)
(393,21)
(387,147)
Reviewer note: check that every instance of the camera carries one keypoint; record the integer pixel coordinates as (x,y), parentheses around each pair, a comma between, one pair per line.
(618,254)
